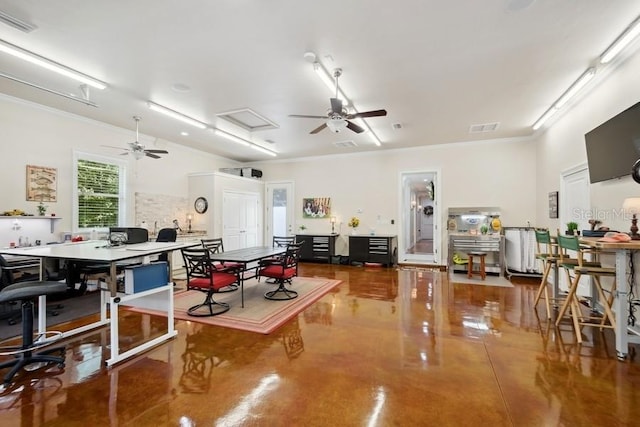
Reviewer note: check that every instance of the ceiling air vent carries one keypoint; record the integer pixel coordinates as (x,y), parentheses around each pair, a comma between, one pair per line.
(396,126)
(345,144)
(486,127)
(248,119)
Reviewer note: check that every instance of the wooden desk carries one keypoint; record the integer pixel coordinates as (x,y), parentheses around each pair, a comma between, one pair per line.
(625,333)
(99,251)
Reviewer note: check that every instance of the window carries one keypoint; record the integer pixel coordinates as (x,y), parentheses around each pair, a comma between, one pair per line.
(99,199)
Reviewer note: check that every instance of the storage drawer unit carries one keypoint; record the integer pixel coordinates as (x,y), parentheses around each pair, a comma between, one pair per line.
(493,245)
(381,249)
(317,247)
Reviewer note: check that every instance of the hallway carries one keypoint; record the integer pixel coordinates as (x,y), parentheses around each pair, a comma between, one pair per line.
(388,347)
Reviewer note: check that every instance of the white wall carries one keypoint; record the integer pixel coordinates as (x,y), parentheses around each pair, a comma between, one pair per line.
(491,173)
(34,135)
(562,146)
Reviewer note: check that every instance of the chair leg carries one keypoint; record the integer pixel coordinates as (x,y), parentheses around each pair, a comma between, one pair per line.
(25,356)
(573,285)
(210,304)
(282,293)
(544,288)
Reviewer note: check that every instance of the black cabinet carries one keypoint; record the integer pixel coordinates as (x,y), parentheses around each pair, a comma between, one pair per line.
(317,247)
(382,249)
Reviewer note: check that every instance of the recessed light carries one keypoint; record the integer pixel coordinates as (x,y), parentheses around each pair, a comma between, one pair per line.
(183,133)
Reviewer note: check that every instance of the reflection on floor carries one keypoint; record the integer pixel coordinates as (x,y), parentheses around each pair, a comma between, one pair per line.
(423,246)
(388,347)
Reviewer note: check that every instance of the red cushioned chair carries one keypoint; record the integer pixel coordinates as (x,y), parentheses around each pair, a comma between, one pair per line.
(282,270)
(202,275)
(215,246)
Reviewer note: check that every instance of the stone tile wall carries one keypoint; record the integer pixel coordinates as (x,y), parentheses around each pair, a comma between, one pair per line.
(159,211)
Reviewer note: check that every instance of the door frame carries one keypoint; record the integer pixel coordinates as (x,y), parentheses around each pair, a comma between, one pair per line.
(269,187)
(406,215)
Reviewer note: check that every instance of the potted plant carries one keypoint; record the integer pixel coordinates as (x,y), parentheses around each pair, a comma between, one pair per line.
(571,228)
(42,209)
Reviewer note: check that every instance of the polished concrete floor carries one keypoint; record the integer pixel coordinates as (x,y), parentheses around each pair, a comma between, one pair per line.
(389,347)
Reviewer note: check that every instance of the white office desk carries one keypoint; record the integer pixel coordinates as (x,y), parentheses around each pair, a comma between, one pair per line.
(98,251)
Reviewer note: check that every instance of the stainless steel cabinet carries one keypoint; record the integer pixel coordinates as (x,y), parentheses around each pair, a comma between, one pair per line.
(492,244)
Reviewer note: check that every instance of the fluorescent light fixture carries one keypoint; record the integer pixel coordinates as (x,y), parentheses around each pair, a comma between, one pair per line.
(50,65)
(232,137)
(575,88)
(243,142)
(178,116)
(546,116)
(263,150)
(330,82)
(621,42)
(45,89)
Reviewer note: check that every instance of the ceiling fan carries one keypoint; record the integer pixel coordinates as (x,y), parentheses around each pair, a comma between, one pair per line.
(137,149)
(338,117)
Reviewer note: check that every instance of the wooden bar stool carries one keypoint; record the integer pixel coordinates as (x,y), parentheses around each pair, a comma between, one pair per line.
(481,271)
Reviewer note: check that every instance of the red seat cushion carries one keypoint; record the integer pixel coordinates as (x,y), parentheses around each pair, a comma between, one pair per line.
(276,272)
(220,280)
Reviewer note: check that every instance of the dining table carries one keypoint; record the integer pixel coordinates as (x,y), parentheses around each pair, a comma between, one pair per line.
(249,259)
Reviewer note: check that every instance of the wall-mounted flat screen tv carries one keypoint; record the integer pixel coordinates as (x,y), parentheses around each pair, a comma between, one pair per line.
(614,146)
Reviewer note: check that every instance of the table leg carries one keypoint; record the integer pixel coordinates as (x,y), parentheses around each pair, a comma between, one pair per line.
(620,304)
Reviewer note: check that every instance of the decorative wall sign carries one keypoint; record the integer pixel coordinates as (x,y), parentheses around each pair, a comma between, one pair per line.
(553,204)
(42,184)
(316,207)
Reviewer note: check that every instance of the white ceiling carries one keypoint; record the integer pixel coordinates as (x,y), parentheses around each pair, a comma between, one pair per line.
(436,66)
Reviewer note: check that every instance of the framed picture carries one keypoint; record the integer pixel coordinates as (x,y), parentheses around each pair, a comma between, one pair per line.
(553,204)
(316,207)
(42,184)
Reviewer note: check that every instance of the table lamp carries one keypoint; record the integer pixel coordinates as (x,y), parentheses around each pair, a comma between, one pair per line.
(632,206)
(333,225)
(189,218)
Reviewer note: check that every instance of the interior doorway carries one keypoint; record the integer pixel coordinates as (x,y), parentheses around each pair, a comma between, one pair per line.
(279,210)
(419,240)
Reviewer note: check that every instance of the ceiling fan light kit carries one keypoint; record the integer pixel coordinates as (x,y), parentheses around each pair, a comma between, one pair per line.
(338,117)
(137,150)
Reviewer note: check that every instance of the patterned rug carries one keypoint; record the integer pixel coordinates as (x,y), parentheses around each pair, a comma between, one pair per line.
(259,314)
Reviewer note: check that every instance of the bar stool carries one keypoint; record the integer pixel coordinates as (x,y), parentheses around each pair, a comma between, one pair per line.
(481,270)
(547,253)
(595,270)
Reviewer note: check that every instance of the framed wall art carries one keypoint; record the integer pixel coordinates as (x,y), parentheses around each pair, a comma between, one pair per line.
(316,207)
(553,204)
(42,184)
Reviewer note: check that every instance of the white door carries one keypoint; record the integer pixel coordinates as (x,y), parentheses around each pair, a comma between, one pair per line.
(416,243)
(240,221)
(279,210)
(575,205)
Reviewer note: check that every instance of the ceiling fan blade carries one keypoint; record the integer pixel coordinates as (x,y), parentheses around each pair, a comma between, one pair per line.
(303,116)
(336,105)
(153,156)
(374,113)
(354,127)
(157,151)
(318,129)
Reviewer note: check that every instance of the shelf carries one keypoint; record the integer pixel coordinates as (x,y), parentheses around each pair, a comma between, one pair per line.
(21,217)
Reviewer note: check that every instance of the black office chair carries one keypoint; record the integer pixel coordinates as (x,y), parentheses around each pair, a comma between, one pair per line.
(26,293)
(166,235)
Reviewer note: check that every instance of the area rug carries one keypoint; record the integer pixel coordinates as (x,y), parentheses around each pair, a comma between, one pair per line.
(259,314)
(490,280)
